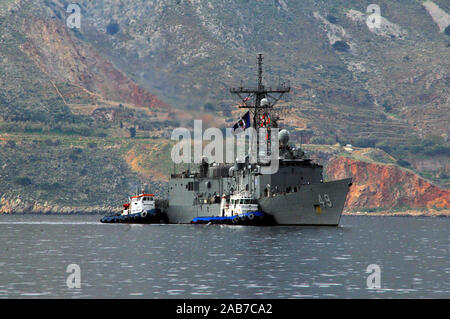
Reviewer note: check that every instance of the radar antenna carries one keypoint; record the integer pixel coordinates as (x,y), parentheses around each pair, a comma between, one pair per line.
(261,101)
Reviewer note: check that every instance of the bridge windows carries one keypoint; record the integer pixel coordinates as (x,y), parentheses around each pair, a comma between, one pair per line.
(192,186)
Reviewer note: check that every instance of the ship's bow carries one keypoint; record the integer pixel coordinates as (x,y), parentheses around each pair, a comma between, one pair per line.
(316,204)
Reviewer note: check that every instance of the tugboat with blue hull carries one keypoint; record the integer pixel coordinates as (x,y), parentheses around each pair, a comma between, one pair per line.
(238,209)
(141,209)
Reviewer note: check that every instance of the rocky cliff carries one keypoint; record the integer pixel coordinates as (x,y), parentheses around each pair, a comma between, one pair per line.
(350,83)
(66,59)
(386,186)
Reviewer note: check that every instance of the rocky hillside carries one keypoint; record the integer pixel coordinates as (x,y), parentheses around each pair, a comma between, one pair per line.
(386,87)
(65,59)
(54,172)
(379,183)
(89,111)
(378,186)
(48,74)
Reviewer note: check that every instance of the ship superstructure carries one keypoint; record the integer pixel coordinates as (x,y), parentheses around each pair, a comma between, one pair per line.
(294,195)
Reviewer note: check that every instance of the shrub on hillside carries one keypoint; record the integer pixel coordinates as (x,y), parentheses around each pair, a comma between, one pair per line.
(341,46)
(322,140)
(11,144)
(24,181)
(209,107)
(112,28)
(403,163)
(331,19)
(385,146)
(369,141)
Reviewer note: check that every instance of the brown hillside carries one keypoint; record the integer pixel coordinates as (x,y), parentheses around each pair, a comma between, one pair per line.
(377,185)
(66,59)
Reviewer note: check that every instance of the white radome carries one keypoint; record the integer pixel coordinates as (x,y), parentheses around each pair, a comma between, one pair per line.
(283,137)
(264,102)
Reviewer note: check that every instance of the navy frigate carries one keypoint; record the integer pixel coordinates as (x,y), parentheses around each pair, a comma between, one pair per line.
(296,194)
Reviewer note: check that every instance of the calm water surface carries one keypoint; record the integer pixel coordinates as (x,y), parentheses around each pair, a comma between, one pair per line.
(198,261)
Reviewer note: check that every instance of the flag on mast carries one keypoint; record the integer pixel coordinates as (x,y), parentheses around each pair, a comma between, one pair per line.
(242,124)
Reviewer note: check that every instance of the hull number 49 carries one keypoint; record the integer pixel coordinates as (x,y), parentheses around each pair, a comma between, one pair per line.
(325,200)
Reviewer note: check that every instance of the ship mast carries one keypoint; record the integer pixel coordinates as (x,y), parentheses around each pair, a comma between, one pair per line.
(264,100)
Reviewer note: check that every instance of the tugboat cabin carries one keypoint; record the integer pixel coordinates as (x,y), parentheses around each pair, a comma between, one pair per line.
(142,203)
(240,204)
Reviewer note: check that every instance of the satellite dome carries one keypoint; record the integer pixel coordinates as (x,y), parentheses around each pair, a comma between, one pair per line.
(264,102)
(283,137)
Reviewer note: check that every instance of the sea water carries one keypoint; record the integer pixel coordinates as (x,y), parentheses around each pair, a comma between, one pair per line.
(216,261)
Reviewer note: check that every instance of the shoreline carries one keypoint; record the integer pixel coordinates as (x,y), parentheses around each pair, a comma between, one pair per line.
(407,213)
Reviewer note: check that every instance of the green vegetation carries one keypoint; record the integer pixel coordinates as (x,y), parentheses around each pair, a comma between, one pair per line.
(429,146)
(322,140)
(68,170)
(112,28)
(132,132)
(209,107)
(341,46)
(59,128)
(403,163)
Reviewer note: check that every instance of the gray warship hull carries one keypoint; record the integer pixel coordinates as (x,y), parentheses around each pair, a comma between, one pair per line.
(318,204)
(304,207)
